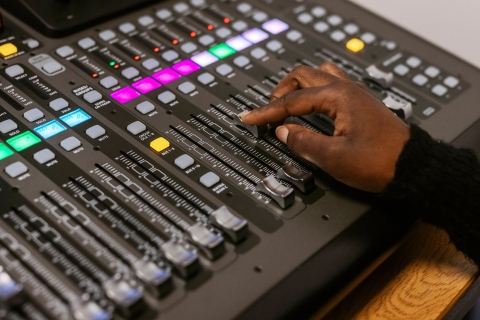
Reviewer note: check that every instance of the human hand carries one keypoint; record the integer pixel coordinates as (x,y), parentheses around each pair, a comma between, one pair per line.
(368,137)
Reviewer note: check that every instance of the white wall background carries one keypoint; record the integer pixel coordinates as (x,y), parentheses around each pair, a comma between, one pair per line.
(453,25)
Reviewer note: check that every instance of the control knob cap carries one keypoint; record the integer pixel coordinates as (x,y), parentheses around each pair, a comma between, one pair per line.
(401,109)
(385,79)
(282,195)
(236,228)
(257,131)
(304,181)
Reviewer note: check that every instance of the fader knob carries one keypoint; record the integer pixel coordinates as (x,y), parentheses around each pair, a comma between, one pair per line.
(257,131)
(385,79)
(158,279)
(302,180)
(282,195)
(402,110)
(185,261)
(128,300)
(236,228)
(210,243)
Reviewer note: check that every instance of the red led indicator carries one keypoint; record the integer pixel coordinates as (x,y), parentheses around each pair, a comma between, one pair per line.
(116,66)
(210,27)
(136,57)
(226,20)
(95,75)
(175,41)
(156,49)
(193,34)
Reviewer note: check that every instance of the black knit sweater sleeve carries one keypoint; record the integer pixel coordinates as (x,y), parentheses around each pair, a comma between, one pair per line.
(441,185)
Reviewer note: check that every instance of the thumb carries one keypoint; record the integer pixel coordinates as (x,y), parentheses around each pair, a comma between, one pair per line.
(312,146)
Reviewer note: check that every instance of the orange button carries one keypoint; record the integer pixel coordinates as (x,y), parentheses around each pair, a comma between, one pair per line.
(159,144)
(8,49)
(355,45)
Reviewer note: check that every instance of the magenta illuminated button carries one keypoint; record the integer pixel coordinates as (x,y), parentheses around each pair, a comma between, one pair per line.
(185,67)
(255,35)
(146,85)
(238,43)
(275,26)
(166,75)
(125,94)
(204,58)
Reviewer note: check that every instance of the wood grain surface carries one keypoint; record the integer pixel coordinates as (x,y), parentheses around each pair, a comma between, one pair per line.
(421,280)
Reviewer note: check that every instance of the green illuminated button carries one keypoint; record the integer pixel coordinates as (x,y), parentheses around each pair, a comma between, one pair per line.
(23,141)
(222,51)
(5,152)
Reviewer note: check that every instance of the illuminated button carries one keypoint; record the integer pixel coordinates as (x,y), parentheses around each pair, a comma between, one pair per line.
(170,55)
(150,64)
(166,75)
(432,72)
(108,82)
(126,27)
(5,151)
(184,161)
(130,73)
(86,43)
(107,35)
(23,141)
(224,69)
(206,78)
(7,125)
(223,32)
(414,62)
(368,37)
(136,127)
(92,96)
(321,27)
(304,18)
(206,40)
(294,35)
(146,85)
(244,7)
(52,67)
(163,14)
(14,71)
(439,90)
(33,115)
(255,35)
(204,59)
(451,82)
(64,51)
(260,16)
(95,131)
(145,20)
(318,11)
(186,87)
(145,107)
(239,25)
(159,144)
(335,20)
(16,169)
(355,45)
(180,7)
(75,117)
(209,179)
(241,61)
(420,80)
(185,67)
(44,156)
(50,129)
(70,143)
(338,36)
(8,49)
(275,26)
(188,47)
(126,94)
(258,53)
(238,43)
(401,69)
(221,51)
(351,28)
(166,97)
(274,45)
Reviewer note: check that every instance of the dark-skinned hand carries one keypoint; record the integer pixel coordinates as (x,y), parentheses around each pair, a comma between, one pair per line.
(368,137)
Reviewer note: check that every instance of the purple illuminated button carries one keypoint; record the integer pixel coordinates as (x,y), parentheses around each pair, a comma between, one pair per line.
(185,67)
(255,35)
(238,43)
(146,85)
(204,58)
(125,94)
(166,75)
(275,26)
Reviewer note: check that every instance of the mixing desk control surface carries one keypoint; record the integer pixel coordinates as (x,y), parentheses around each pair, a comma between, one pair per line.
(131,188)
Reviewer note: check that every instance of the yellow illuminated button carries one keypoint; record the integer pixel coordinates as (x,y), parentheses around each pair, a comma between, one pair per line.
(355,45)
(8,49)
(159,144)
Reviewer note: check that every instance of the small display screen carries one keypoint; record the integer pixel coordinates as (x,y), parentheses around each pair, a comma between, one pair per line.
(75,117)
(23,141)
(50,129)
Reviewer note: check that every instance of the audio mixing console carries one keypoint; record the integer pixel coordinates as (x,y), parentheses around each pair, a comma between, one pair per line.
(129,186)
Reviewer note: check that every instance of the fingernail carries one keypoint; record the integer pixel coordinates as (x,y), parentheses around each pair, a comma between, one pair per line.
(282,133)
(243,114)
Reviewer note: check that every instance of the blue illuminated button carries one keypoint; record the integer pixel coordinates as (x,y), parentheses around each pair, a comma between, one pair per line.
(275,26)
(49,129)
(75,117)
(255,35)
